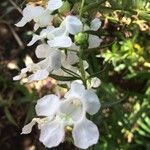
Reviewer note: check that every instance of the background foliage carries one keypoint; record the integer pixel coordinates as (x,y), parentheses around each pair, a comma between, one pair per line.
(122,63)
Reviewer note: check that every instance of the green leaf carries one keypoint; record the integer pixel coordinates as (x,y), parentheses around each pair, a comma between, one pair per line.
(140,74)
(63,78)
(9,116)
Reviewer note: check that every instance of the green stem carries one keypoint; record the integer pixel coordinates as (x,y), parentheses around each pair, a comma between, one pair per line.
(81,9)
(81,66)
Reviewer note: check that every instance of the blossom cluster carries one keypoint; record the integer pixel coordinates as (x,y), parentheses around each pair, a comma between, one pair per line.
(59,52)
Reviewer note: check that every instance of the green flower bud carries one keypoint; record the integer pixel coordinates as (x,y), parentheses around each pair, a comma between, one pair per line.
(81,38)
(65,8)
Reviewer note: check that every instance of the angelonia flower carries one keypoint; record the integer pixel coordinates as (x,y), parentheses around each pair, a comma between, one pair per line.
(60,114)
(58,51)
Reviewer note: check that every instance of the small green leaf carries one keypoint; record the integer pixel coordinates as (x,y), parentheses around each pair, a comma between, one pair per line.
(9,116)
(64,78)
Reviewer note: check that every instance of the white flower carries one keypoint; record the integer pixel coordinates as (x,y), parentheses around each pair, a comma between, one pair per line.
(42,17)
(89,99)
(68,112)
(51,61)
(55,36)
(59,37)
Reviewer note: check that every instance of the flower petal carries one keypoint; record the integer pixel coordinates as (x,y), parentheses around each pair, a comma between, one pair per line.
(39,75)
(95,82)
(72,58)
(72,108)
(21,23)
(29,13)
(54,4)
(52,134)
(60,41)
(54,60)
(95,24)
(94,41)
(91,101)
(47,105)
(75,91)
(35,38)
(44,19)
(85,133)
(42,51)
(36,11)
(73,25)
(28,128)
(26,16)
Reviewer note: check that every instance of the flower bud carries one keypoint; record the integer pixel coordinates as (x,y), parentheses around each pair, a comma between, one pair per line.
(81,38)
(65,8)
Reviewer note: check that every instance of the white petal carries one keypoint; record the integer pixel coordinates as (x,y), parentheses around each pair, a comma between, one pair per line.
(72,108)
(85,64)
(21,23)
(35,38)
(29,13)
(36,26)
(94,41)
(52,134)
(91,100)
(75,91)
(72,58)
(44,19)
(36,11)
(95,24)
(73,25)
(74,47)
(59,31)
(51,62)
(61,41)
(27,16)
(18,77)
(95,82)
(54,60)
(39,75)
(85,133)
(42,51)
(24,70)
(28,128)
(54,4)
(47,105)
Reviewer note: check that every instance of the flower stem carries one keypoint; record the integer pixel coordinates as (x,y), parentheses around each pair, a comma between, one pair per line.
(81,9)
(81,66)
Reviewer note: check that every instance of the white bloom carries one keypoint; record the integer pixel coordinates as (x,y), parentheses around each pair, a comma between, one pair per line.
(87,97)
(41,16)
(68,112)
(59,37)
(51,61)
(55,36)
